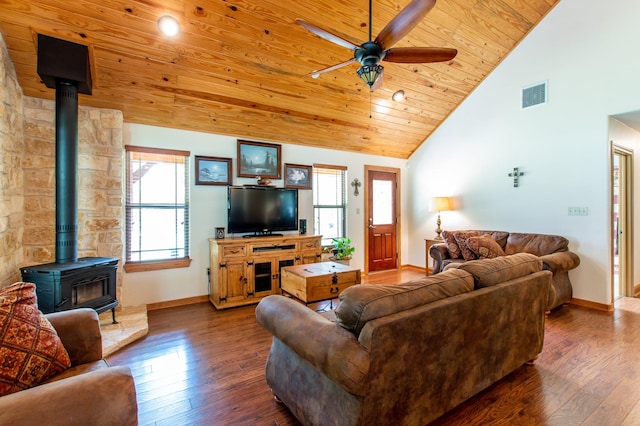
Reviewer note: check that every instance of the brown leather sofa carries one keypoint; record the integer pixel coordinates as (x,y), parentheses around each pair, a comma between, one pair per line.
(405,354)
(553,250)
(89,393)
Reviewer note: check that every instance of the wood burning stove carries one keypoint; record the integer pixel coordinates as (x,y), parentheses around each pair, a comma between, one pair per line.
(88,282)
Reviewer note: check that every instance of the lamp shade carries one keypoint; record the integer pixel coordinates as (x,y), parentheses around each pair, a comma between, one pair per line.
(370,73)
(442,204)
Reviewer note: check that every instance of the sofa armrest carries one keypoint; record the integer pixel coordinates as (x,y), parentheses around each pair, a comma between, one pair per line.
(79,330)
(103,397)
(438,253)
(562,261)
(331,349)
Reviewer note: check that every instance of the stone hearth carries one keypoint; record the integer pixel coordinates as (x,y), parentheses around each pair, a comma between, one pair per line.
(132,325)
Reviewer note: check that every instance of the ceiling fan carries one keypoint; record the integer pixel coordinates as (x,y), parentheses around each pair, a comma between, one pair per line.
(372,52)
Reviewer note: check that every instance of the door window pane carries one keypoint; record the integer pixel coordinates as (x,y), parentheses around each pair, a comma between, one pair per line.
(382,192)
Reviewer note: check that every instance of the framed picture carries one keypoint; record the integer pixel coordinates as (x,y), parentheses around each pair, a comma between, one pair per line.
(259,159)
(213,170)
(297,176)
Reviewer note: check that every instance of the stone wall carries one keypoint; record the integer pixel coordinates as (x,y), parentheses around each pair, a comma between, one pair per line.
(100,183)
(11,176)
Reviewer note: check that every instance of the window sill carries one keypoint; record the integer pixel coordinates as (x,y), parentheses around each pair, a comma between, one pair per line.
(156,265)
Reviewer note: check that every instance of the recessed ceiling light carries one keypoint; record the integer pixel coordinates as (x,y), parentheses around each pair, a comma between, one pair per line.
(168,26)
(398,96)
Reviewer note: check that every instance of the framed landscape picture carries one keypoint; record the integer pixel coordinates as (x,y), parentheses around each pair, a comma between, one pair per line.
(213,170)
(297,176)
(259,159)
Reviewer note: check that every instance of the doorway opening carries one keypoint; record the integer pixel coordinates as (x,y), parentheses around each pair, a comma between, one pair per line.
(382,210)
(621,222)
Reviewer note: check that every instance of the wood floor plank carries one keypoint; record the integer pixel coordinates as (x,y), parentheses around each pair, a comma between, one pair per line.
(199,366)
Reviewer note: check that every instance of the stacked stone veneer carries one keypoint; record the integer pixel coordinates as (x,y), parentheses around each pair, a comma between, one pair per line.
(100,183)
(11,175)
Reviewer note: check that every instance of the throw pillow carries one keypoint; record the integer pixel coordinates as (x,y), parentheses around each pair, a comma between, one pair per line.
(484,247)
(452,245)
(30,349)
(462,237)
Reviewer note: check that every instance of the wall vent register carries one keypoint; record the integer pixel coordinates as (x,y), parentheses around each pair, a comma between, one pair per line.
(534,95)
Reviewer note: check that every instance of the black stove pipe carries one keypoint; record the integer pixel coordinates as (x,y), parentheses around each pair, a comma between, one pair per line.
(64,65)
(66,171)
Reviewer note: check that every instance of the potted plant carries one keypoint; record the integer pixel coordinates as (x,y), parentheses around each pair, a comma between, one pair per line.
(342,250)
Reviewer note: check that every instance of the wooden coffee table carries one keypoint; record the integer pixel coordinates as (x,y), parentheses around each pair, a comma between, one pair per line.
(314,282)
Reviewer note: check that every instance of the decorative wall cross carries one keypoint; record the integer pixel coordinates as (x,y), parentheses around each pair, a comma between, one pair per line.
(515,175)
(356,184)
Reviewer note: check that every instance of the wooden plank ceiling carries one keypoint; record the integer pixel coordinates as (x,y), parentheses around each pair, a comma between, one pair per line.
(241,67)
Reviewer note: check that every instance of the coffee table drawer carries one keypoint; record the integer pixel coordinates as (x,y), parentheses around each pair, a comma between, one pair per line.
(327,291)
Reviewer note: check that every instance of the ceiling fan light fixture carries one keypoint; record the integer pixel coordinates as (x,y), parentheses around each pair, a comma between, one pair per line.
(315,74)
(169,26)
(370,73)
(398,95)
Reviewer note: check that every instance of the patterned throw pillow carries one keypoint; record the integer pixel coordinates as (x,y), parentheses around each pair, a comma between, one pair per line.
(462,237)
(452,245)
(30,349)
(484,247)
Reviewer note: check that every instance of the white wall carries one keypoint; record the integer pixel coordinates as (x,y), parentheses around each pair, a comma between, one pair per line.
(208,207)
(586,51)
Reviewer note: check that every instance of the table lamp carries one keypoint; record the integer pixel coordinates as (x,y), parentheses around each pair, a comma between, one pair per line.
(441,204)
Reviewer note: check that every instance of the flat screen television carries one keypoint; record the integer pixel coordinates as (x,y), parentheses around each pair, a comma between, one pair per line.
(261,210)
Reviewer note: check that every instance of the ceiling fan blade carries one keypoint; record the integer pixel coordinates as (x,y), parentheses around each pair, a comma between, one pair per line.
(404,22)
(327,35)
(315,74)
(420,55)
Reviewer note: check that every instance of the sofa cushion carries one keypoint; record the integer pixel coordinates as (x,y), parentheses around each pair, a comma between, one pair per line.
(462,237)
(452,245)
(484,247)
(30,349)
(538,244)
(365,302)
(488,272)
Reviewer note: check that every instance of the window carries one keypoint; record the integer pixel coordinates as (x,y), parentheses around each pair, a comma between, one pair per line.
(157,209)
(329,202)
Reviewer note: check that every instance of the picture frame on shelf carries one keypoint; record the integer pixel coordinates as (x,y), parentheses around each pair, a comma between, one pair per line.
(297,176)
(213,170)
(259,159)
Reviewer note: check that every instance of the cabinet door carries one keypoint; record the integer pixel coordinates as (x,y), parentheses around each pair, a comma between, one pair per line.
(263,272)
(310,257)
(233,281)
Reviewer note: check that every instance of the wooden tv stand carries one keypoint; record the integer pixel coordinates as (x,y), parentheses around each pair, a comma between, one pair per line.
(244,270)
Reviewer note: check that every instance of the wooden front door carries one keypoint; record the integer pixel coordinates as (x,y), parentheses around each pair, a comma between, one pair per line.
(382,214)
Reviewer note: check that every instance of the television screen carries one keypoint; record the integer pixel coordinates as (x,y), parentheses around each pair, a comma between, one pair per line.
(262,210)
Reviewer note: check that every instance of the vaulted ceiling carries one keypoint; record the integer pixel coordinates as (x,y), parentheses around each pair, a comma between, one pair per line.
(242,67)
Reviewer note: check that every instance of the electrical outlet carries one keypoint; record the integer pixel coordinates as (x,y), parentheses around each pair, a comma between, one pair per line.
(579,211)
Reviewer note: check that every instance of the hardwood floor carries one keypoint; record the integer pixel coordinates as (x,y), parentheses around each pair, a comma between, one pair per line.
(199,366)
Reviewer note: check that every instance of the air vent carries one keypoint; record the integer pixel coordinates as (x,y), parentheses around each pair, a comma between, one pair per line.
(534,95)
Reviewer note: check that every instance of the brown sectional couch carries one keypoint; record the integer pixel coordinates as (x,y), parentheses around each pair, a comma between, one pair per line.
(553,250)
(405,354)
(89,393)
